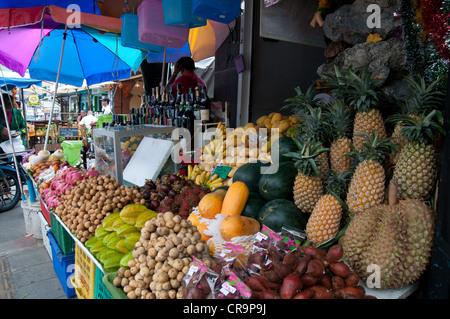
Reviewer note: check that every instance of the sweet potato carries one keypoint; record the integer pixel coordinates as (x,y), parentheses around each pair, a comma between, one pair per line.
(290,259)
(321,292)
(349,293)
(281,269)
(270,294)
(315,268)
(291,284)
(325,282)
(314,252)
(303,264)
(305,294)
(337,283)
(334,254)
(272,276)
(340,269)
(255,284)
(352,280)
(309,280)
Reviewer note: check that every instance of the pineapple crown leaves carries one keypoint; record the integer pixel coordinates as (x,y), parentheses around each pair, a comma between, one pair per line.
(421,129)
(314,125)
(373,148)
(424,97)
(301,100)
(306,160)
(337,183)
(339,119)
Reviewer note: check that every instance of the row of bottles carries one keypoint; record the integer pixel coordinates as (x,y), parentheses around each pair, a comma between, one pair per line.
(165,108)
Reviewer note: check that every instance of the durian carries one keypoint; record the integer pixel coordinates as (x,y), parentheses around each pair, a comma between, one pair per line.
(395,240)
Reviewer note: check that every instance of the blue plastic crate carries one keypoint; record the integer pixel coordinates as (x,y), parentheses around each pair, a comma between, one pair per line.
(178,13)
(224,11)
(130,34)
(64,266)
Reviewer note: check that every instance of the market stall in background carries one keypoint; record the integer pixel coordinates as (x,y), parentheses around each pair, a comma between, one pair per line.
(333,195)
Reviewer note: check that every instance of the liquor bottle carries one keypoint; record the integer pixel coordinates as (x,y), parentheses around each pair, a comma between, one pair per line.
(204,106)
(178,106)
(196,103)
(171,106)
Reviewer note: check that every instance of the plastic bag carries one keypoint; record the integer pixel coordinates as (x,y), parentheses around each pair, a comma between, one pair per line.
(232,288)
(199,282)
(16,142)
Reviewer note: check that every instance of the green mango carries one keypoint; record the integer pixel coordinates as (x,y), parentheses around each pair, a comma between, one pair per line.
(125,229)
(126,258)
(120,246)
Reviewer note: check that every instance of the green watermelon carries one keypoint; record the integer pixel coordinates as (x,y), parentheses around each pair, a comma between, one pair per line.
(279,185)
(249,173)
(282,212)
(285,145)
(253,205)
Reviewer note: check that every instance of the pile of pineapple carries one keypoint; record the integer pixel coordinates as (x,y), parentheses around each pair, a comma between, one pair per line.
(348,156)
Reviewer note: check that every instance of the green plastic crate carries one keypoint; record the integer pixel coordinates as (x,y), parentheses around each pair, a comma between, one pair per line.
(63,238)
(116,292)
(100,290)
(72,151)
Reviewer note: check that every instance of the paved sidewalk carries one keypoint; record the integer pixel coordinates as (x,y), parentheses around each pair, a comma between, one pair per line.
(26,269)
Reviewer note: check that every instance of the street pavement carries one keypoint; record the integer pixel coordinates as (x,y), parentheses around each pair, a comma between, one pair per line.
(26,268)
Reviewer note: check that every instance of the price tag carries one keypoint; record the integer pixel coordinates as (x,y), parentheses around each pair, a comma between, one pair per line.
(227,286)
(260,236)
(222,171)
(192,270)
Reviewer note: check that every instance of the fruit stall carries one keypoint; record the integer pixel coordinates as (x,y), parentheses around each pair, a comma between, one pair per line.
(330,201)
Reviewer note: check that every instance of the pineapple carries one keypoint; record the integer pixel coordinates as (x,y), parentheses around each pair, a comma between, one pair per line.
(308,186)
(367,186)
(325,220)
(340,119)
(415,171)
(360,91)
(422,99)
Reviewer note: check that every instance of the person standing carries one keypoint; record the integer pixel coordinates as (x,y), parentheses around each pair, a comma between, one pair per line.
(81,116)
(13,95)
(106,106)
(88,121)
(188,78)
(15,120)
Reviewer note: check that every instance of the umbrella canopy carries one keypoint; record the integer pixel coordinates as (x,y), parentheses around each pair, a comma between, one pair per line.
(87,6)
(8,84)
(203,43)
(31,39)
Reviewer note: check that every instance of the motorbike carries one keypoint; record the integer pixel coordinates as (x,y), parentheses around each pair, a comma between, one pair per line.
(10,187)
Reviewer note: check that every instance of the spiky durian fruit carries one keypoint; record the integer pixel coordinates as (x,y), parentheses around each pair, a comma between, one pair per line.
(308,186)
(416,168)
(389,245)
(325,220)
(367,186)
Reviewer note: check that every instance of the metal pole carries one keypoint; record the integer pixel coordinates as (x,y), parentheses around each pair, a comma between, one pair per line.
(163,75)
(24,110)
(56,88)
(12,146)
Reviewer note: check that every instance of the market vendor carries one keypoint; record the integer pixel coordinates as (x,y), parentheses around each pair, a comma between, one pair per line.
(89,121)
(106,106)
(13,95)
(15,120)
(188,78)
(81,116)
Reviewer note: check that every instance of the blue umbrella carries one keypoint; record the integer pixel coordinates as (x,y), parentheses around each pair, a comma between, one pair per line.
(8,84)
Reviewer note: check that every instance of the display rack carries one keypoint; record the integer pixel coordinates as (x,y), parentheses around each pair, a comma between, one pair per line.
(108,142)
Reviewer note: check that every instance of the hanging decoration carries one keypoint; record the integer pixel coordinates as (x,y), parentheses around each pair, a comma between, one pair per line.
(436,21)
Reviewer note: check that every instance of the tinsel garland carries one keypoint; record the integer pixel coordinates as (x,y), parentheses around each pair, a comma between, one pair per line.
(436,21)
(421,52)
